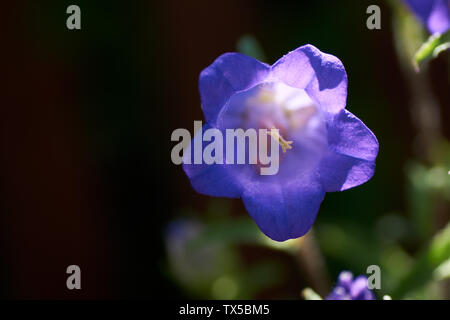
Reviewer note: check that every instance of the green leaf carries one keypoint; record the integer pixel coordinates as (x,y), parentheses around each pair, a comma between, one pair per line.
(249,46)
(228,232)
(424,268)
(309,294)
(432,48)
(443,271)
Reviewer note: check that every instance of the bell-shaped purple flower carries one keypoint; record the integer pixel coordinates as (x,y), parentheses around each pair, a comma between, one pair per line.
(348,288)
(325,148)
(434,14)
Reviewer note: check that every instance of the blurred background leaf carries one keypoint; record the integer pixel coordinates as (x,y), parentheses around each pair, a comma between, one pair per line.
(248,45)
(432,258)
(435,44)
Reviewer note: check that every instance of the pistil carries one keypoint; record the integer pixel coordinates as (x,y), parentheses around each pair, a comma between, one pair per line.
(285,145)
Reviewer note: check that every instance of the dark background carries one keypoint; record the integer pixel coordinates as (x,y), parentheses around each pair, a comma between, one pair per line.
(86,175)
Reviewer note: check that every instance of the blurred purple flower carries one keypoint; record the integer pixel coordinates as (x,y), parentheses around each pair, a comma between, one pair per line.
(303,95)
(192,265)
(434,14)
(348,288)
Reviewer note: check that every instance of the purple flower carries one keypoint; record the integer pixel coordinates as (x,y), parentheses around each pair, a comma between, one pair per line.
(348,288)
(434,14)
(325,147)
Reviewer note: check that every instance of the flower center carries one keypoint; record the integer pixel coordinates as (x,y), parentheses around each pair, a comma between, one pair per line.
(292,120)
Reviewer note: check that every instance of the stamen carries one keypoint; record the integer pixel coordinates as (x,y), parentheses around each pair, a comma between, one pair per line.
(285,145)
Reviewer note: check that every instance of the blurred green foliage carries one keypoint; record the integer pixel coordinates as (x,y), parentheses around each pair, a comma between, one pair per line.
(435,44)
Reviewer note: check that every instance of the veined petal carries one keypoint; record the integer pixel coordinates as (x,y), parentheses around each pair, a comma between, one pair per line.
(340,172)
(215,180)
(228,74)
(322,76)
(349,136)
(353,149)
(284,211)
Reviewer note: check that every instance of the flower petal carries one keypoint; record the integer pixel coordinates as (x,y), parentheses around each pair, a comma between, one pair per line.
(284,211)
(345,280)
(353,149)
(228,74)
(439,20)
(322,76)
(349,135)
(434,14)
(340,172)
(360,291)
(338,293)
(215,180)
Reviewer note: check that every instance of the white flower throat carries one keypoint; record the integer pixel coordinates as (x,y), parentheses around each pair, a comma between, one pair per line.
(278,106)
